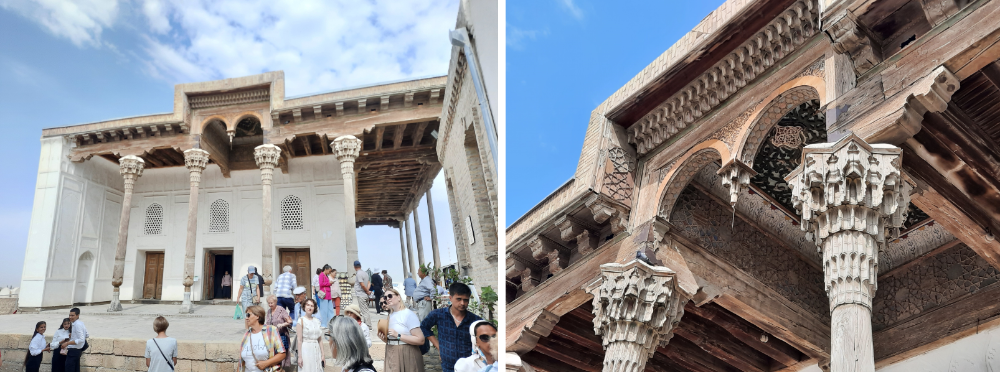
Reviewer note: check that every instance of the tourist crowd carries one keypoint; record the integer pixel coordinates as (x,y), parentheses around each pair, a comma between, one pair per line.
(289,333)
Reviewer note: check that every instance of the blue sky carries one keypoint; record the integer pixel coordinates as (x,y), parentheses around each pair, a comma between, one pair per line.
(565,57)
(62,64)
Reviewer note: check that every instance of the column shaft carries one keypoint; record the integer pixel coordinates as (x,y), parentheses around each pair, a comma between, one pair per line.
(131,170)
(409,251)
(267,157)
(196,160)
(420,242)
(402,251)
(434,237)
(347,149)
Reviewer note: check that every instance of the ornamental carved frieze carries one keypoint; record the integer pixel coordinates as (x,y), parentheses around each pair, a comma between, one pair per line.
(636,307)
(765,48)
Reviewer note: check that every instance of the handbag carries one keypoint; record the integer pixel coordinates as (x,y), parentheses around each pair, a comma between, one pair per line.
(165,355)
(239,311)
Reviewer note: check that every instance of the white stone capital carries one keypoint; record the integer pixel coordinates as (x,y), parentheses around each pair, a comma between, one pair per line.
(195,160)
(131,166)
(267,157)
(347,148)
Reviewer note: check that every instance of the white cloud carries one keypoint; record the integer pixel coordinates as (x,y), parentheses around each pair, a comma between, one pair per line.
(517,36)
(321,45)
(79,21)
(572,8)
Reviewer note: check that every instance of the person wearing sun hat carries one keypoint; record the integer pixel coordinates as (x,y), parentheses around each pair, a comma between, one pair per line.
(250,288)
(354,312)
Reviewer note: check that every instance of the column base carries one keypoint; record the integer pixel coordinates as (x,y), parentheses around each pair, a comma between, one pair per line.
(187,307)
(116,305)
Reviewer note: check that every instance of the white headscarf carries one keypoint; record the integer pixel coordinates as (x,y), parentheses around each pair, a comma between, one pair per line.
(472,332)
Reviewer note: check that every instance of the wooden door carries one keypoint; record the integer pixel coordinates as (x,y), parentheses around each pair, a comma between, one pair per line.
(298,259)
(152,286)
(208,283)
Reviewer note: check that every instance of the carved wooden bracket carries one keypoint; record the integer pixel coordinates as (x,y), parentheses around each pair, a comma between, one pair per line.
(636,307)
(854,39)
(604,209)
(930,94)
(528,271)
(584,234)
(540,327)
(548,251)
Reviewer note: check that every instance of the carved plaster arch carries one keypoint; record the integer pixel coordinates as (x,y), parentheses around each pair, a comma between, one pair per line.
(243,115)
(687,166)
(208,120)
(778,103)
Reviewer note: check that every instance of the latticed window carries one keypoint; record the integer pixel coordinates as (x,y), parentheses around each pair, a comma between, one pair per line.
(291,213)
(218,216)
(154,219)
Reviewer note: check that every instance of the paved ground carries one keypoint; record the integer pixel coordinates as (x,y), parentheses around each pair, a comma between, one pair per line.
(207,323)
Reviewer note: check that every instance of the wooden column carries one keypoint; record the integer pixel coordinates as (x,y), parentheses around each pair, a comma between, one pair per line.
(267,156)
(848,193)
(402,249)
(636,306)
(347,148)
(420,243)
(131,169)
(434,237)
(409,250)
(195,160)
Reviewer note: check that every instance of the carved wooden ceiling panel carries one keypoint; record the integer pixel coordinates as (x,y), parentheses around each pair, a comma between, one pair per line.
(781,150)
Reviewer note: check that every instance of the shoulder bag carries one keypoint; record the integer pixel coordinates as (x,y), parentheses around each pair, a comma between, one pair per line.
(171,365)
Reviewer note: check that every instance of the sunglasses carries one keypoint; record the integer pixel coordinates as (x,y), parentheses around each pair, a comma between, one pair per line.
(486,338)
(388,296)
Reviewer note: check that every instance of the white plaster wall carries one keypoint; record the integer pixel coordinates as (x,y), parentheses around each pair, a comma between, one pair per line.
(315,180)
(483,22)
(66,222)
(979,352)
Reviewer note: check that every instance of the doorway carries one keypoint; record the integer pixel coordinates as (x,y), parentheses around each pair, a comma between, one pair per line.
(152,283)
(217,264)
(298,259)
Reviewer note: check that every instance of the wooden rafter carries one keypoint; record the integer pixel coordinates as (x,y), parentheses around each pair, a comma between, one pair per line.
(379,132)
(419,133)
(398,136)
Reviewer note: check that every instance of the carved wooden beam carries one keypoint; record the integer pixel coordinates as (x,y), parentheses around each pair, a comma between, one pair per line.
(528,271)
(362,105)
(692,358)
(340,108)
(318,111)
(435,93)
(408,99)
(572,229)
(938,11)
(747,333)
(306,145)
(297,115)
(605,210)
(384,103)
(720,344)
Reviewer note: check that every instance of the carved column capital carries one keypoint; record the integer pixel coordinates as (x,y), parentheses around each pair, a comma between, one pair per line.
(636,307)
(267,157)
(736,177)
(848,194)
(347,148)
(131,167)
(195,160)
(853,38)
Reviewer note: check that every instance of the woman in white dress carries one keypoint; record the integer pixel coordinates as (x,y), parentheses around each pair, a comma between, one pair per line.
(402,350)
(309,333)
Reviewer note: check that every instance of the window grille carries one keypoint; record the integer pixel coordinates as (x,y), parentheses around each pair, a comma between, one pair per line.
(291,213)
(154,219)
(218,216)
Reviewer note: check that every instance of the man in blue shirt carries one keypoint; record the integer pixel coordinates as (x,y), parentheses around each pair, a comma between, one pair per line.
(452,323)
(409,285)
(300,296)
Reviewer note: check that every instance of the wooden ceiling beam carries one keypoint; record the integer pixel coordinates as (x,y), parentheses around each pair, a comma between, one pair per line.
(379,132)
(398,136)
(178,158)
(324,142)
(573,357)
(747,333)
(306,145)
(692,357)
(418,134)
(720,344)
(289,149)
(148,157)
